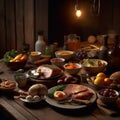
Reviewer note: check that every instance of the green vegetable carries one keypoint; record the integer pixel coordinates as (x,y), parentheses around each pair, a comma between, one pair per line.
(90,62)
(9,55)
(56,88)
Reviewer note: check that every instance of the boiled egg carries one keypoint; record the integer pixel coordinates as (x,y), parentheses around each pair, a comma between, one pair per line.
(29,98)
(36,98)
(59,95)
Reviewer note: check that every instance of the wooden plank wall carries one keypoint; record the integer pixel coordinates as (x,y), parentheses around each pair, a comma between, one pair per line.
(2,29)
(20,21)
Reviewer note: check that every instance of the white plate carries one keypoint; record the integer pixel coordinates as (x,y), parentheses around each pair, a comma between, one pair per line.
(34,78)
(55,103)
(27,101)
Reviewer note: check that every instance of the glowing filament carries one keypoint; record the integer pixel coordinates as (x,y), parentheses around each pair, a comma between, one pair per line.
(78,13)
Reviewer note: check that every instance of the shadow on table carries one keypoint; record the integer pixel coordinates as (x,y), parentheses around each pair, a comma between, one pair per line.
(38,105)
(5,115)
(76,112)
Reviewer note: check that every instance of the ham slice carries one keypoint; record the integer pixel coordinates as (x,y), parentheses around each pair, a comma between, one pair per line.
(74,88)
(85,95)
(48,70)
(78,91)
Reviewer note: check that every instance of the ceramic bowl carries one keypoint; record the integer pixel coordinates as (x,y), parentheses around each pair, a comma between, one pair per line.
(34,56)
(66,54)
(72,68)
(58,61)
(108,95)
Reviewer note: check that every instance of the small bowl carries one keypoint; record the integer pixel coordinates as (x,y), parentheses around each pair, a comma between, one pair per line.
(72,68)
(66,54)
(58,61)
(34,56)
(99,65)
(108,95)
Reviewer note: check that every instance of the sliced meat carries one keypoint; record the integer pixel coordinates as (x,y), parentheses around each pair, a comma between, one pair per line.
(84,95)
(74,88)
(48,70)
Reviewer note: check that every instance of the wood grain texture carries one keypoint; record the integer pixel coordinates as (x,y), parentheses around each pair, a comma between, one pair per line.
(29,22)
(10,25)
(2,29)
(19,20)
(41,17)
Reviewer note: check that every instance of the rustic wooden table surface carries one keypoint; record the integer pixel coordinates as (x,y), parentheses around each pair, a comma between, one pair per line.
(15,109)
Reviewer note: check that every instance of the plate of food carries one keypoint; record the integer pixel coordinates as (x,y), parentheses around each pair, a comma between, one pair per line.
(44,72)
(36,93)
(31,99)
(71,96)
(8,85)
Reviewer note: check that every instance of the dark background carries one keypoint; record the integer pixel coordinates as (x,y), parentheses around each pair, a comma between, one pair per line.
(21,20)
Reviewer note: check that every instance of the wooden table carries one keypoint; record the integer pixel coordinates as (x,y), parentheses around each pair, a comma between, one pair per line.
(42,111)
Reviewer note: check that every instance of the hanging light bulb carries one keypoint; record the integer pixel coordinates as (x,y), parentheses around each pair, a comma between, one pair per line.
(77,10)
(78,13)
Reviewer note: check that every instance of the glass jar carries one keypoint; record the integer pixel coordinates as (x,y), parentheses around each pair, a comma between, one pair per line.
(21,79)
(48,50)
(72,42)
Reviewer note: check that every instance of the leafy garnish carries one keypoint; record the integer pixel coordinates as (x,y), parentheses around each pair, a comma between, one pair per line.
(9,55)
(56,88)
(90,62)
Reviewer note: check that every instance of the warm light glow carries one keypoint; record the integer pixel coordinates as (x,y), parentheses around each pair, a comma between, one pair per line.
(78,13)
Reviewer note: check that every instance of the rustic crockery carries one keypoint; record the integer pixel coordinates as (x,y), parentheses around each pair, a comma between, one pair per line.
(94,69)
(73,69)
(66,54)
(109,99)
(21,79)
(34,56)
(58,61)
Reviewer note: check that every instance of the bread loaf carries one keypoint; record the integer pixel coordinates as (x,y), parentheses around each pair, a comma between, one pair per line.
(37,89)
(115,76)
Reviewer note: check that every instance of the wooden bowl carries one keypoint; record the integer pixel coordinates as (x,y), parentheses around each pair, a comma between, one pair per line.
(94,69)
(16,65)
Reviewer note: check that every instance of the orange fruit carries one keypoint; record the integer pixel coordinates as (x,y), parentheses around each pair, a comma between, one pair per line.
(99,81)
(101,75)
(107,81)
